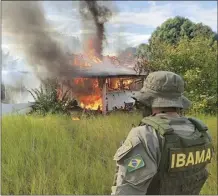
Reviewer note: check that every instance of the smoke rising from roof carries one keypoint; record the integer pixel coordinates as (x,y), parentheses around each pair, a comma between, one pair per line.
(26,21)
(92,12)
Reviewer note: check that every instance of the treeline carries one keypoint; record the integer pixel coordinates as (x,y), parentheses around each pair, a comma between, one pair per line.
(188,49)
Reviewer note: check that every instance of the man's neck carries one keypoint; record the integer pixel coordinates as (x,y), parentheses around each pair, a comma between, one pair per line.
(168,111)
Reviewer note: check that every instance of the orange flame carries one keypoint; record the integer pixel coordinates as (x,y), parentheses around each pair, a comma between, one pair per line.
(87,90)
(92,100)
(88,93)
(75,118)
(120,83)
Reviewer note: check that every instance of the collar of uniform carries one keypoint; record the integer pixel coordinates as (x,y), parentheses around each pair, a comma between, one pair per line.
(171,114)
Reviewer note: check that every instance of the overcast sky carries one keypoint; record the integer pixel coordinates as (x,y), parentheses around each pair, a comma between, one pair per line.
(134,21)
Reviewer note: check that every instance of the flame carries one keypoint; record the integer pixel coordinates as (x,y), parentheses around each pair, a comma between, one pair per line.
(92,102)
(127,82)
(75,118)
(88,93)
(87,90)
(79,61)
(120,84)
(90,55)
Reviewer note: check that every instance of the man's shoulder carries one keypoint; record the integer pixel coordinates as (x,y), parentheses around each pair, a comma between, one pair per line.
(138,139)
(199,124)
(142,130)
(146,134)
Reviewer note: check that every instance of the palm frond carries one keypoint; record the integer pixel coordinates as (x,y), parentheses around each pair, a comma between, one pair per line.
(47,101)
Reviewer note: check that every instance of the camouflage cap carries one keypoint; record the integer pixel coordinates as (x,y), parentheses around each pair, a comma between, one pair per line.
(163,89)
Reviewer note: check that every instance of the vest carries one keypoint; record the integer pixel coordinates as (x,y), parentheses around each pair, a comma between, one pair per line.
(182,169)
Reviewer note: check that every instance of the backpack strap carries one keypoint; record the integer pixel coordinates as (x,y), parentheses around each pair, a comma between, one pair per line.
(200,126)
(160,124)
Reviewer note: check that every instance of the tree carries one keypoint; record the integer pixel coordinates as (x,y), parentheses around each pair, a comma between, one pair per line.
(174,29)
(49,99)
(143,51)
(190,50)
(143,58)
(196,61)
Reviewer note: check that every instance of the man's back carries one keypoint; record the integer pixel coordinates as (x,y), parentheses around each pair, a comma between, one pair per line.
(167,154)
(167,160)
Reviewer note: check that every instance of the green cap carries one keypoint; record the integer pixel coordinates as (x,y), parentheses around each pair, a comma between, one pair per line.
(163,89)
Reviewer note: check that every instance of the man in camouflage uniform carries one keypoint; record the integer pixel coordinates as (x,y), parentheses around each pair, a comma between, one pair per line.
(167,153)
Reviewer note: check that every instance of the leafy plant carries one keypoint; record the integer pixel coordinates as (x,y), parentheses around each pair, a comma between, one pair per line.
(48,99)
(177,28)
(195,60)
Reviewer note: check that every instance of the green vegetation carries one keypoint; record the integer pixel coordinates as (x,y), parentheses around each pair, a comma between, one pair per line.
(196,61)
(55,155)
(43,153)
(189,50)
(177,28)
(49,100)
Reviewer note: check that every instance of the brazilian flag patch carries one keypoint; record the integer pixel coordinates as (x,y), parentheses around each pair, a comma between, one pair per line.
(134,163)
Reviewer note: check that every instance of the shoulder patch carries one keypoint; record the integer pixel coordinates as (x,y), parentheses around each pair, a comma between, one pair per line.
(134,163)
(127,145)
(124,149)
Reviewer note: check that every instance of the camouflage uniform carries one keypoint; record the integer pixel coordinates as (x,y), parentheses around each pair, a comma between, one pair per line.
(139,159)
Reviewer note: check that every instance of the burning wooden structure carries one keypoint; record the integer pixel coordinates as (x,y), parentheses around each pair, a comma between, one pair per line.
(103,85)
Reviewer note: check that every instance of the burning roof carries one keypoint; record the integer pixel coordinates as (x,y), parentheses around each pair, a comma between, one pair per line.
(86,85)
(102,70)
(90,67)
(44,52)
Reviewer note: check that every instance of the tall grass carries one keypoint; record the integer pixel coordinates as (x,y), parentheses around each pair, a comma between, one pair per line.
(55,155)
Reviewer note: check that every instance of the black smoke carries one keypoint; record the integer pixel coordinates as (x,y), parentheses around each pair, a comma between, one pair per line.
(26,22)
(91,10)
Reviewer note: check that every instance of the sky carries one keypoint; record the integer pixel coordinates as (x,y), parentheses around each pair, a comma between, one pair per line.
(132,23)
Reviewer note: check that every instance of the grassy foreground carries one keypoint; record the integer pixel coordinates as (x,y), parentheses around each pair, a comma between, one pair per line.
(54,155)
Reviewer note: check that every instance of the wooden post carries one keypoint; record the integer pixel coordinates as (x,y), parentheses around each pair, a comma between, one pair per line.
(104,91)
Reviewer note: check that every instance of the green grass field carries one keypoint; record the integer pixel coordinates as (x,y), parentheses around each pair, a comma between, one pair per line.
(54,155)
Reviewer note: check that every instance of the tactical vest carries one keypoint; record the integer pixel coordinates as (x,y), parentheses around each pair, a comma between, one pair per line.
(182,169)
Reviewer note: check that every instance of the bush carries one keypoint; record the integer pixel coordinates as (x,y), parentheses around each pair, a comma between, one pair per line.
(195,60)
(48,100)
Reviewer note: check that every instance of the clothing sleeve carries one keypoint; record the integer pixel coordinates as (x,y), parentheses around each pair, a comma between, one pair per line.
(209,136)
(137,161)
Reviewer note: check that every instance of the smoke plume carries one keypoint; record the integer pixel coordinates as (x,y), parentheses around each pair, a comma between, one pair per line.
(25,20)
(90,10)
